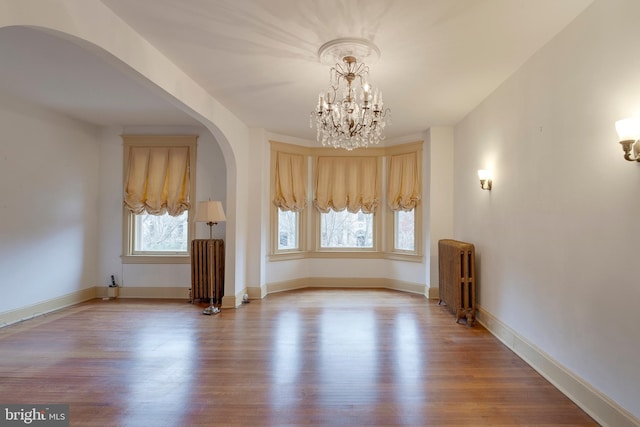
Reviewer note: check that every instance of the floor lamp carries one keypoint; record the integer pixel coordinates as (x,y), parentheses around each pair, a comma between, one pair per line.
(210,212)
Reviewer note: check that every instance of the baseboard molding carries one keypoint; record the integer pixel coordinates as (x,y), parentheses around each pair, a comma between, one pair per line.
(31,311)
(145,292)
(602,409)
(341,282)
(256,292)
(232,301)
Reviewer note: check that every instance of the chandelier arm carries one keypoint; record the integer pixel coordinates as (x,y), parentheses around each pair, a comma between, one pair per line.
(334,127)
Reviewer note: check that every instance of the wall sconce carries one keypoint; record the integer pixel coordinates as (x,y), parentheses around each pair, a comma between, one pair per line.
(485,179)
(628,135)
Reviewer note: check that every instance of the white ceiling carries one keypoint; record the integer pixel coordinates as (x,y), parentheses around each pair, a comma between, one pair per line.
(439,58)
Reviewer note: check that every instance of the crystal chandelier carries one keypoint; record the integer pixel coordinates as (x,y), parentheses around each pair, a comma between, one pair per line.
(352,116)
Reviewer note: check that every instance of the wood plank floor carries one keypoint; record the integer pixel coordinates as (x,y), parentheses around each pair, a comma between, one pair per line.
(302,358)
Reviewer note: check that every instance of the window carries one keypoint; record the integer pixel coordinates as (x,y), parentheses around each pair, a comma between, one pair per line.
(159,173)
(403,197)
(345,199)
(404,231)
(287,230)
(346,230)
(289,197)
(161,233)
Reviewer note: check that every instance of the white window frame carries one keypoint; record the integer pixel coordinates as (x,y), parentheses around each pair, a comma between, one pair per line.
(129,255)
(298,230)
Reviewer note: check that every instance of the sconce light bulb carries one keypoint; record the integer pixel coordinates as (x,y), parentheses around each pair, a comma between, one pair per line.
(628,129)
(628,136)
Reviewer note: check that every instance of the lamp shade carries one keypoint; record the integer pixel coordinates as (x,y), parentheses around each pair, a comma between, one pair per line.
(210,211)
(628,129)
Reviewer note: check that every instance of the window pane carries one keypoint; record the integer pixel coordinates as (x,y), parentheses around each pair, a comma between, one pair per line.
(287,230)
(346,230)
(161,233)
(404,230)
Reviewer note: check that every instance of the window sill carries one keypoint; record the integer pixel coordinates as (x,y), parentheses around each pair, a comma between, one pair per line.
(347,254)
(352,254)
(285,256)
(156,259)
(398,256)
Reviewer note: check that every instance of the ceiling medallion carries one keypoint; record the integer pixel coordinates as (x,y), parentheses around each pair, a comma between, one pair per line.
(352,116)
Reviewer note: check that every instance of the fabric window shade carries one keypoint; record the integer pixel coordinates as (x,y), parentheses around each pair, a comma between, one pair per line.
(157,180)
(346,183)
(403,182)
(291,182)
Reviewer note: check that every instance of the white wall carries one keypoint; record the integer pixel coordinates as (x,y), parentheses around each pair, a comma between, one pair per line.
(438,194)
(49,207)
(557,237)
(211,183)
(259,205)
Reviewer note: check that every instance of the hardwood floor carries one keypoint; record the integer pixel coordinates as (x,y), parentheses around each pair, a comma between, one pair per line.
(302,358)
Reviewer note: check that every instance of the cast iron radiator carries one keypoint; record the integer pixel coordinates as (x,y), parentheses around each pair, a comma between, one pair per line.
(207,270)
(457,278)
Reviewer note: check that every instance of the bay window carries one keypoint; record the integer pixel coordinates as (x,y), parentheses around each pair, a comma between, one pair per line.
(348,212)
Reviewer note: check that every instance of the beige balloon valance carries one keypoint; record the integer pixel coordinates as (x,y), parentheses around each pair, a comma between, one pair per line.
(291,182)
(403,186)
(346,183)
(157,180)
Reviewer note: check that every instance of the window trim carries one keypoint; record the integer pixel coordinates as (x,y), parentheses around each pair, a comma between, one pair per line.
(128,256)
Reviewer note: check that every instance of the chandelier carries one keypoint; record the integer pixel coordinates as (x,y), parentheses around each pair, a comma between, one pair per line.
(352,116)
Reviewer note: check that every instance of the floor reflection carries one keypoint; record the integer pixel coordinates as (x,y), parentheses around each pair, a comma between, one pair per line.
(162,372)
(409,367)
(339,348)
(286,359)
(347,357)
(351,353)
